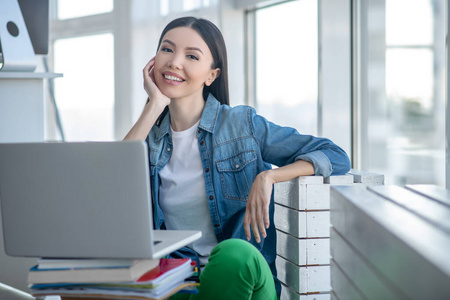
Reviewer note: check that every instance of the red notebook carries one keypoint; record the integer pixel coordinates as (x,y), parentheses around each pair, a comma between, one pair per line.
(166,268)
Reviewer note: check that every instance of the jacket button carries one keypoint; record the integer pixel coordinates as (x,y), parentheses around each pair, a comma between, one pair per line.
(168,149)
(217,225)
(199,131)
(211,197)
(201,142)
(207,170)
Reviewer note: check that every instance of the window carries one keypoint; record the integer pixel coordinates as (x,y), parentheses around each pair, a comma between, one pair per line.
(405,58)
(177,6)
(85,94)
(68,9)
(83,40)
(286,65)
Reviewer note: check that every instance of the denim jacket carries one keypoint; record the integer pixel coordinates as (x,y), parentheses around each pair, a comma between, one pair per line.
(235,145)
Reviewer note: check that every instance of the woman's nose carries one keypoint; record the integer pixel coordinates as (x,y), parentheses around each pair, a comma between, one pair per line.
(176,62)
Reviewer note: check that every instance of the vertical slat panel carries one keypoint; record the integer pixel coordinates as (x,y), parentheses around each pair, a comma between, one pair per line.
(291,221)
(339,179)
(367,177)
(436,193)
(333,295)
(286,193)
(301,224)
(318,251)
(302,219)
(318,223)
(372,285)
(303,194)
(288,294)
(317,197)
(343,287)
(434,212)
(308,279)
(291,248)
(403,247)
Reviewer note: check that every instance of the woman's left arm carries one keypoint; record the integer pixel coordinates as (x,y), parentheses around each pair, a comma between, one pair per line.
(296,155)
(257,210)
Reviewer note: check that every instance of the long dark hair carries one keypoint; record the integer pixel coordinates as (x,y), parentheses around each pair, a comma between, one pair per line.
(216,44)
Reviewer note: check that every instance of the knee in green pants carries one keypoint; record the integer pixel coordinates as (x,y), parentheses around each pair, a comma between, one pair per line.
(236,270)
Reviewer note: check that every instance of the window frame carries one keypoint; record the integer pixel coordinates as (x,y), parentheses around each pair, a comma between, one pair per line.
(117,22)
(360,108)
(447,103)
(334,71)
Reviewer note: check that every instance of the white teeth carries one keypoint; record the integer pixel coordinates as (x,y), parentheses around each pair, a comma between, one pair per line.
(172,78)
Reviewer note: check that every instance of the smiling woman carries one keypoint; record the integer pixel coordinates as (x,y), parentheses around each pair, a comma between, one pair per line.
(215,45)
(186,64)
(210,164)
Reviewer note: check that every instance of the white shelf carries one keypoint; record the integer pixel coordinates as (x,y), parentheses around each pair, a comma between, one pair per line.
(28,75)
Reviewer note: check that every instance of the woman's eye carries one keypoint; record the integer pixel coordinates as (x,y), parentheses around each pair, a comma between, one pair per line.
(163,49)
(192,57)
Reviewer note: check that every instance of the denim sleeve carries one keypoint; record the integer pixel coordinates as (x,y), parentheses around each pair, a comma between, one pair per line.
(284,145)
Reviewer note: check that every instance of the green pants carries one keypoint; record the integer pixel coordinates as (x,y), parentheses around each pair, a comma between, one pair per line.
(236,270)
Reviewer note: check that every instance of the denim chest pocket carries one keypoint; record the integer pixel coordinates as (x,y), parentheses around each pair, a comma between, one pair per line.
(237,174)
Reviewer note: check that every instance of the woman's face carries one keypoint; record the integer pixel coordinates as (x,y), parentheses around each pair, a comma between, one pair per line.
(183,64)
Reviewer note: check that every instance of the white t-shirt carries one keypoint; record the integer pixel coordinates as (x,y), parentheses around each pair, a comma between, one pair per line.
(182,193)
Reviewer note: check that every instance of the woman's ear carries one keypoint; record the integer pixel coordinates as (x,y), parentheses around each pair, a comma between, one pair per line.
(213,75)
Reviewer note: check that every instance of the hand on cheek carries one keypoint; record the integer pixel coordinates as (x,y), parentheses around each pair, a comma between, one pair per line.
(153,92)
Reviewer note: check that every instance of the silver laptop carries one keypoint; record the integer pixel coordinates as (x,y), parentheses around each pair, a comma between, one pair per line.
(81,200)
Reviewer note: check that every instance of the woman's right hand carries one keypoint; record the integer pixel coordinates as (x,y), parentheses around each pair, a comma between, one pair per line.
(153,109)
(153,92)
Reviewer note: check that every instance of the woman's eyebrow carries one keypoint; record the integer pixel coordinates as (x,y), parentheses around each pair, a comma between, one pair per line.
(195,49)
(187,48)
(169,42)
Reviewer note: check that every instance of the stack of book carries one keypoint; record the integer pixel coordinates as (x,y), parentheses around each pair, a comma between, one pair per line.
(118,279)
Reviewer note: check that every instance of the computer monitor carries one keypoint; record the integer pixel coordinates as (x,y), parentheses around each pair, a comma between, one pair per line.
(36,16)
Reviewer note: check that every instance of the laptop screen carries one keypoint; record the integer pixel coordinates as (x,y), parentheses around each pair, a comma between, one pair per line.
(76,199)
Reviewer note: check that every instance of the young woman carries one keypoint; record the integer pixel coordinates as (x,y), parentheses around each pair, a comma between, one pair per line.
(210,164)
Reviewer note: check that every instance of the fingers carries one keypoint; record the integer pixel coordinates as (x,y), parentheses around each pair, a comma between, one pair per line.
(260,222)
(148,69)
(247,220)
(155,96)
(266,217)
(256,220)
(255,227)
(148,66)
(149,78)
(152,75)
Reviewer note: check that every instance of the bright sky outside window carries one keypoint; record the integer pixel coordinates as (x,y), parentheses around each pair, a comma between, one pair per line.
(406,107)
(171,6)
(413,26)
(287,64)
(68,9)
(86,94)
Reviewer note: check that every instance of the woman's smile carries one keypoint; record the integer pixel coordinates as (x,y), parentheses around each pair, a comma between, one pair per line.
(172,78)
